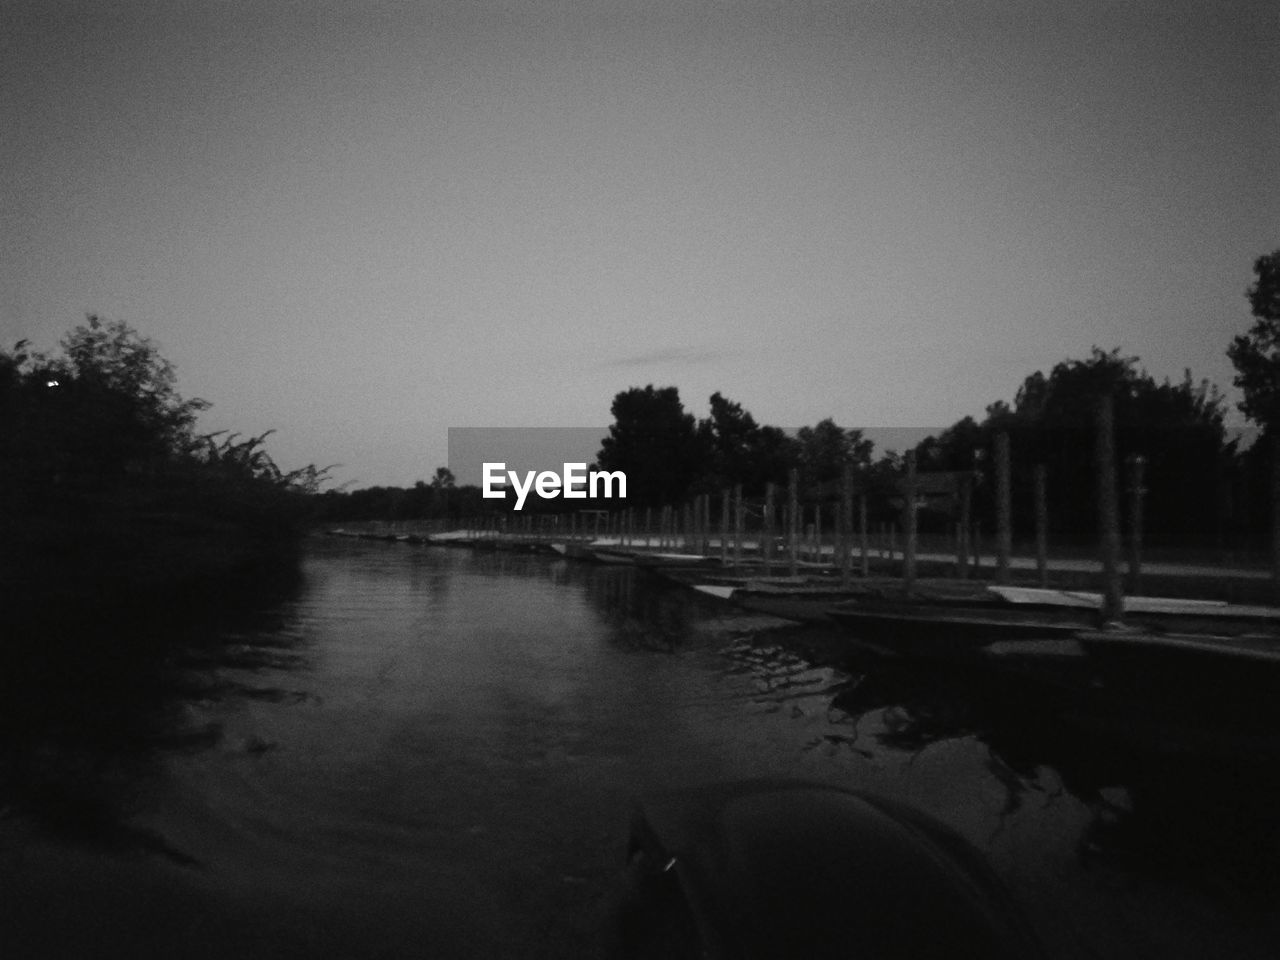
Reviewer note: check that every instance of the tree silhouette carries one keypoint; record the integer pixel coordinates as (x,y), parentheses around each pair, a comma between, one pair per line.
(1256,354)
(739,450)
(655,443)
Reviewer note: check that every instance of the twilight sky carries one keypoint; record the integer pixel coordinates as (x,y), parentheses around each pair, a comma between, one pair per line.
(364,222)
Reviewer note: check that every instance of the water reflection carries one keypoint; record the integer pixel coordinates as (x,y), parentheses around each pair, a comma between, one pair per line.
(1185,803)
(89,706)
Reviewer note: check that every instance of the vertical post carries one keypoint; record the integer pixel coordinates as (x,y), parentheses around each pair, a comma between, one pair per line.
(846,525)
(724,526)
(966,524)
(739,522)
(768,530)
(1108,510)
(1042,526)
(793,521)
(1137,467)
(909,523)
(1004,509)
(817,533)
(862,535)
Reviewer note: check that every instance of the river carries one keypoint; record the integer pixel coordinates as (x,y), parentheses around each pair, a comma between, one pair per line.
(429,752)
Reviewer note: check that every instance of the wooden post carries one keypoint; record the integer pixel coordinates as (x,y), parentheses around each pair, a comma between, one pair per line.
(862,535)
(724,527)
(1108,509)
(793,521)
(1137,467)
(739,523)
(846,525)
(1004,509)
(909,524)
(1042,526)
(768,530)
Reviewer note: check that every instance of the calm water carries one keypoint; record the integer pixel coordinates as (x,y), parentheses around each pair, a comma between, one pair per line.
(433,753)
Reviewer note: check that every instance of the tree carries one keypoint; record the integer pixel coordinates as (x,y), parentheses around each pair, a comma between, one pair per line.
(655,443)
(825,448)
(1178,427)
(1256,354)
(112,360)
(103,410)
(740,451)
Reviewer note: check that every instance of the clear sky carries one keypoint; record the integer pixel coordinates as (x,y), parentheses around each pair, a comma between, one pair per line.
(362,223)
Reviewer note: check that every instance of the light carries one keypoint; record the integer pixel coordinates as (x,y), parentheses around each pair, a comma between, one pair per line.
(51,383)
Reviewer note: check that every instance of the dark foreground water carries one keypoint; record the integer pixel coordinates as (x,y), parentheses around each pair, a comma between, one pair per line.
(424,752)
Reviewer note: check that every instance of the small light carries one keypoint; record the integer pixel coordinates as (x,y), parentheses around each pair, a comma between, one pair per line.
(51,383)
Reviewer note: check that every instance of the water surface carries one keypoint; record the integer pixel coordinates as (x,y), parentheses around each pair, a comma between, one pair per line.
(425,752)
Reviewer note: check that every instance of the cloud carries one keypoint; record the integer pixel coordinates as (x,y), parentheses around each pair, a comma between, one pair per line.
(678,355)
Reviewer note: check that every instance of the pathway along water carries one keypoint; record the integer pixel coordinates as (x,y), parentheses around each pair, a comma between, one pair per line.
(426,752)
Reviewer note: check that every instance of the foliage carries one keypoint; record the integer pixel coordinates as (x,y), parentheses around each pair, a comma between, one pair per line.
(109,488)
(738,450)
(1178,428)
(655,443)
(1256,354)
(824,449)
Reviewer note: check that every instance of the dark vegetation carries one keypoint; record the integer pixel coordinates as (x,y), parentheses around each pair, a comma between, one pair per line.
(127,539)
(112,499)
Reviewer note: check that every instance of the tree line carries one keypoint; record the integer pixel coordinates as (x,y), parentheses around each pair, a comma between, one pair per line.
(1202,485)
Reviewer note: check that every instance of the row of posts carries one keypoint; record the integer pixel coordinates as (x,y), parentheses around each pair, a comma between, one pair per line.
(692,524)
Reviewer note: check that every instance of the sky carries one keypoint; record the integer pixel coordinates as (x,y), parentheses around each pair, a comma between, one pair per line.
(363,223)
